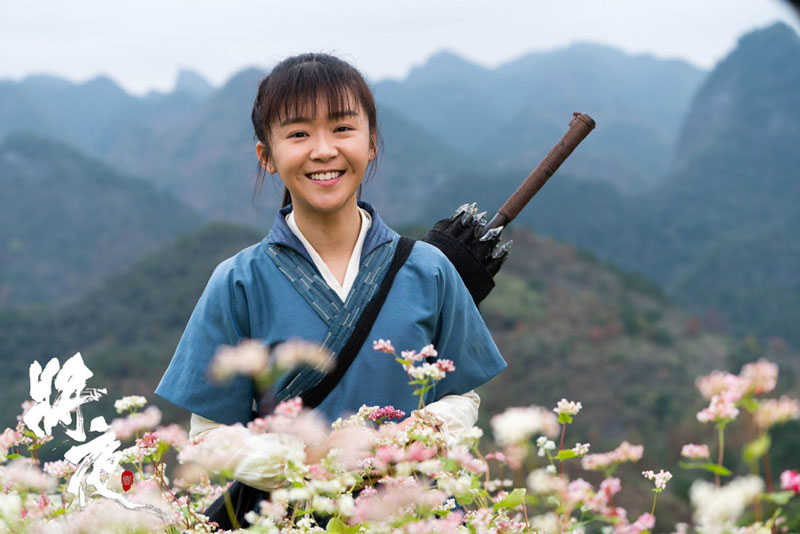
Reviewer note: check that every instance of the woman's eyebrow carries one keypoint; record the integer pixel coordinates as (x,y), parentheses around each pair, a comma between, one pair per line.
(331,116)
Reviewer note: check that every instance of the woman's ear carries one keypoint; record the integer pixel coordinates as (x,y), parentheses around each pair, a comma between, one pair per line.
(264,159)
(373,150)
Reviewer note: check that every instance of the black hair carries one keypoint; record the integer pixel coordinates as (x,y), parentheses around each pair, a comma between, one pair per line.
(304,78)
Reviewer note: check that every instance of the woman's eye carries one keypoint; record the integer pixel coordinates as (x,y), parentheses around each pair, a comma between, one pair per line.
(343,128)
(297,134)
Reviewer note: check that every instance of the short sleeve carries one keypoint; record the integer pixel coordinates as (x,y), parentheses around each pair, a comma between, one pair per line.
(220,317)
(462,336)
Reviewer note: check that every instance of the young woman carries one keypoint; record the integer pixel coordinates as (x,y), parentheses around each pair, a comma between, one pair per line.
(313,274)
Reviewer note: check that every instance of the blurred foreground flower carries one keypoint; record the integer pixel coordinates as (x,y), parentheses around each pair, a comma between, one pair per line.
(693,451)
(717,509)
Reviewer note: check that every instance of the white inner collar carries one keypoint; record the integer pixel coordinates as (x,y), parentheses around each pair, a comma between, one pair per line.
(342,290)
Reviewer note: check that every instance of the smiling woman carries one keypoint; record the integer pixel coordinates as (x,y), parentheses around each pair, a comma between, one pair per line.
(331,272)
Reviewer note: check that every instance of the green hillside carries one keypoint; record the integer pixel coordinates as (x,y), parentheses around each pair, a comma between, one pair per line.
(567,324)
(68,221)
(127,329)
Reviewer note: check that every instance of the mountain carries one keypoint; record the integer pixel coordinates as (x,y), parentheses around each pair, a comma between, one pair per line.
(518,111)
(68,221)
(189,81)
(126,328)
(719,234)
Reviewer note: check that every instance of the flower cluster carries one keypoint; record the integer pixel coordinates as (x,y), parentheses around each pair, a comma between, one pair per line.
(129,404)
(693,451)
(565,407)
(659,479)
(368,473)
(790,481)
(607,461)
(519,424)
(720,410)
(771,412)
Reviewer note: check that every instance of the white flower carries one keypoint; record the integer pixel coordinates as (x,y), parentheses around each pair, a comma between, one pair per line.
(543,481)
(565,407)
(346,505)
(581,448)
(131,402)
(296,352)
(544,445)
(249,357)
(716,510)
(660,479)
(519,424)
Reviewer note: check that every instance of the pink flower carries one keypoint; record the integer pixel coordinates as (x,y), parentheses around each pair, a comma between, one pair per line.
(126,427)
(790,480)
(411,355)
(389,454)
(428,352)
(59,468)
(645,522)
(693,451)
(610,486)
(446,366)
(173,434)
(383,345)
(289,408)
(9,438)
(625,452)
(395,500)
(720,410)
(759,377)
(387,412)
(721,383)
(248,358)
(499,456)
(418,452)
(772,412)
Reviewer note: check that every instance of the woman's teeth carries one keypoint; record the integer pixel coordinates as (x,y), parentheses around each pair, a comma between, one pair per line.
(325,176)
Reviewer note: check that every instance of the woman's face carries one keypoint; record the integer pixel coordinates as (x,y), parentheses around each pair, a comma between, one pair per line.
(321,158)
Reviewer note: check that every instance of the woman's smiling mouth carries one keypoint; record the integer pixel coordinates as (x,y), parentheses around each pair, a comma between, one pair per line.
(325,177)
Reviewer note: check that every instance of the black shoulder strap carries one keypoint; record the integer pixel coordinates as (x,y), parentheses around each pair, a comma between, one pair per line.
(314,396)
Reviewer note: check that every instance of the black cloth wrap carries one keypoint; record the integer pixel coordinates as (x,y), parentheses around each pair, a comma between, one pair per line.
(468,255)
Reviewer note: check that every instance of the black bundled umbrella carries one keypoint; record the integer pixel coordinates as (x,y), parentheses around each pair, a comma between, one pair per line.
(472,244)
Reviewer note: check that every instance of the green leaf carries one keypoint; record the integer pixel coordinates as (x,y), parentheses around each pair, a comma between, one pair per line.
(749,403)
(757,448)
(714,468)
(564,418)
(565,454)
(340,527)
(13,456)
(512,500)
(779,497)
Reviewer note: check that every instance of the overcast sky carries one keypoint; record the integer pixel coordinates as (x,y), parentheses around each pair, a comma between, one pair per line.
(142,44)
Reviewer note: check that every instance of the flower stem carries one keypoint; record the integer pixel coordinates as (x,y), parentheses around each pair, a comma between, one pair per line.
(561,447)
(721,433)
(767,473)
(653,509)
(229,508)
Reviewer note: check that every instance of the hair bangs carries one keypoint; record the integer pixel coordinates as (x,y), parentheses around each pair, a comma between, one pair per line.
(309,88)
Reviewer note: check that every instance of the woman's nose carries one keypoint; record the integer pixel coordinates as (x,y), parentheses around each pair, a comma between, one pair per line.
(323,148)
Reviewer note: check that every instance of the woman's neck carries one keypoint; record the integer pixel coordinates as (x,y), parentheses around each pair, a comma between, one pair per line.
(333,235)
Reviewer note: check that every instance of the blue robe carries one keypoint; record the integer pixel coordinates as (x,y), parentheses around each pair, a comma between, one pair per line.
(248,297)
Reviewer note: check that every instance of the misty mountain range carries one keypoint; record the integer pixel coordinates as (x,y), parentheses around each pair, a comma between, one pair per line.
(691,177)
